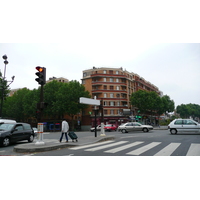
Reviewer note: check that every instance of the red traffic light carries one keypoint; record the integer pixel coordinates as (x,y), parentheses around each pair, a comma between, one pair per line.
(40,69)
(41,75)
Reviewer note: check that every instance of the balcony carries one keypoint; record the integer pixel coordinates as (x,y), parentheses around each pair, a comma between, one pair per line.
(108,75)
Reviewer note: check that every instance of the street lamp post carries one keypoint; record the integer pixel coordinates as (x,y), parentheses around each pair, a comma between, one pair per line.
(3,82)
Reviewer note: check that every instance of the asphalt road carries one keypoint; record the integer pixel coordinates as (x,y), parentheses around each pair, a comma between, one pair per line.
(153,143)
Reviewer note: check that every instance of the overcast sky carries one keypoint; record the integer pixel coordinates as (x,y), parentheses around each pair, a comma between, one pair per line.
(156,40)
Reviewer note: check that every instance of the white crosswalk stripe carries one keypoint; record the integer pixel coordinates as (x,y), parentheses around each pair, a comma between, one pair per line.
(143,149)
(168,150)
(106,146)
(194,150)
(123,147)
(90,145)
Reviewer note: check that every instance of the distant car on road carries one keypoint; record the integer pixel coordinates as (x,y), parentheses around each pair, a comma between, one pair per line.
(134,126)
(35,131)
(93,128)
(184,125)
(110,127)
(13,132)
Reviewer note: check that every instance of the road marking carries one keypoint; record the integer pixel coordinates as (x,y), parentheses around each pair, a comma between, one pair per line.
(168,150)
(123,147)
(106,146)
(143,149)
(194,150)
(90,145)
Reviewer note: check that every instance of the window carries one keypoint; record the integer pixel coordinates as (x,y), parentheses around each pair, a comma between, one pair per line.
(84,74)
(105,103)
(117,80)
(104,79)
(110,71)
(105,95)
(105,87)
(118,103)
(117,72)
(111,80)
(27,126)
(19,127)
(111,103)
(117,87)
(178,122)
(104,71)
(188,122)
(112,112)
(105,112)
(111,95)
(111,87)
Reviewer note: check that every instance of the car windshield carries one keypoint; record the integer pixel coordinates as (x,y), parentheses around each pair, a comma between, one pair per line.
(6,127)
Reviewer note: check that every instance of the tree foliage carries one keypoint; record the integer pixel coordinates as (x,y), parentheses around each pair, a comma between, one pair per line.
(151,102)
(188,110)
(62,99)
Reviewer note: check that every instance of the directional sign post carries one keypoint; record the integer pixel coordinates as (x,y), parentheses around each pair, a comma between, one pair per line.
(89,101)
(94,102)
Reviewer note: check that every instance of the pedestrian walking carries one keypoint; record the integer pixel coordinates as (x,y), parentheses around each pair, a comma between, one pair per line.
(65,129)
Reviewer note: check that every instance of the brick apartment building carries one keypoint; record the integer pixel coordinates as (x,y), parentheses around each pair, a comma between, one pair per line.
(113,86)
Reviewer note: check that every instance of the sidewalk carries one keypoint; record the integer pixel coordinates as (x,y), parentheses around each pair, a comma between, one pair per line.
(52,144)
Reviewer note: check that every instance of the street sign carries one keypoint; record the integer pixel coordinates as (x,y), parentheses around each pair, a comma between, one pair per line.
(89,101)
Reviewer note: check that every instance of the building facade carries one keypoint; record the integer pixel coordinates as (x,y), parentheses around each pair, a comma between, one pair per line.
(113,86)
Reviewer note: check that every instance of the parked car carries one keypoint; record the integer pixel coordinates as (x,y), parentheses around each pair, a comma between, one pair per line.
(134,126)
(184,125)
(110,127)
(13,132)
(98,128)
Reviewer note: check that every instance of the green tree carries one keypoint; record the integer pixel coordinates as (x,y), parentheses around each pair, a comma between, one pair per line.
(168,104)
(68,99)
(14,106)
(150,101)
(188,110)
(140,99)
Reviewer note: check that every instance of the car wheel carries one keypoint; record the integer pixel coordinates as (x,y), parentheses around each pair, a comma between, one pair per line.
(31,138)
(145,129)
(6,141)
(173,131)
(124,131)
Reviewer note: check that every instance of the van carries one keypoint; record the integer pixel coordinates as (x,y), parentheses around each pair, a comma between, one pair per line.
(9,121)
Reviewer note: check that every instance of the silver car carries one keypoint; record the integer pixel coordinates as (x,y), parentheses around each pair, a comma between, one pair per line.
(184,125)
(134,126)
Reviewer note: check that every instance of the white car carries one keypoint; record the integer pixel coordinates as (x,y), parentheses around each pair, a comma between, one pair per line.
(134,126)
(184,125)
(98,128)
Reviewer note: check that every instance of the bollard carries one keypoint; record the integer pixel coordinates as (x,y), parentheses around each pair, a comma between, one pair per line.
(40,134)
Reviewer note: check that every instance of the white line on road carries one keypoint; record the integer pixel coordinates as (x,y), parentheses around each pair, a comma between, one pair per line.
(143,149)
(90,145)
(123,147)
(106,146)
(168,150)
(194,150)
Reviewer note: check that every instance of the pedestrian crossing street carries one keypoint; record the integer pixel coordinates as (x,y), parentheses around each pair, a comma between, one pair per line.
(139,148)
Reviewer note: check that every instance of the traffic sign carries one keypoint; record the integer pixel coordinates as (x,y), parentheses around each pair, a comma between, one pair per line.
(89,101)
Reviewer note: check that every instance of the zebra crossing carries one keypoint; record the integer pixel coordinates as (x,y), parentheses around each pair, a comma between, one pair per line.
(139,148)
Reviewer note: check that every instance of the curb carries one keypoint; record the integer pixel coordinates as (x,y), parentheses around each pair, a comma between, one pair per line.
(30,148)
